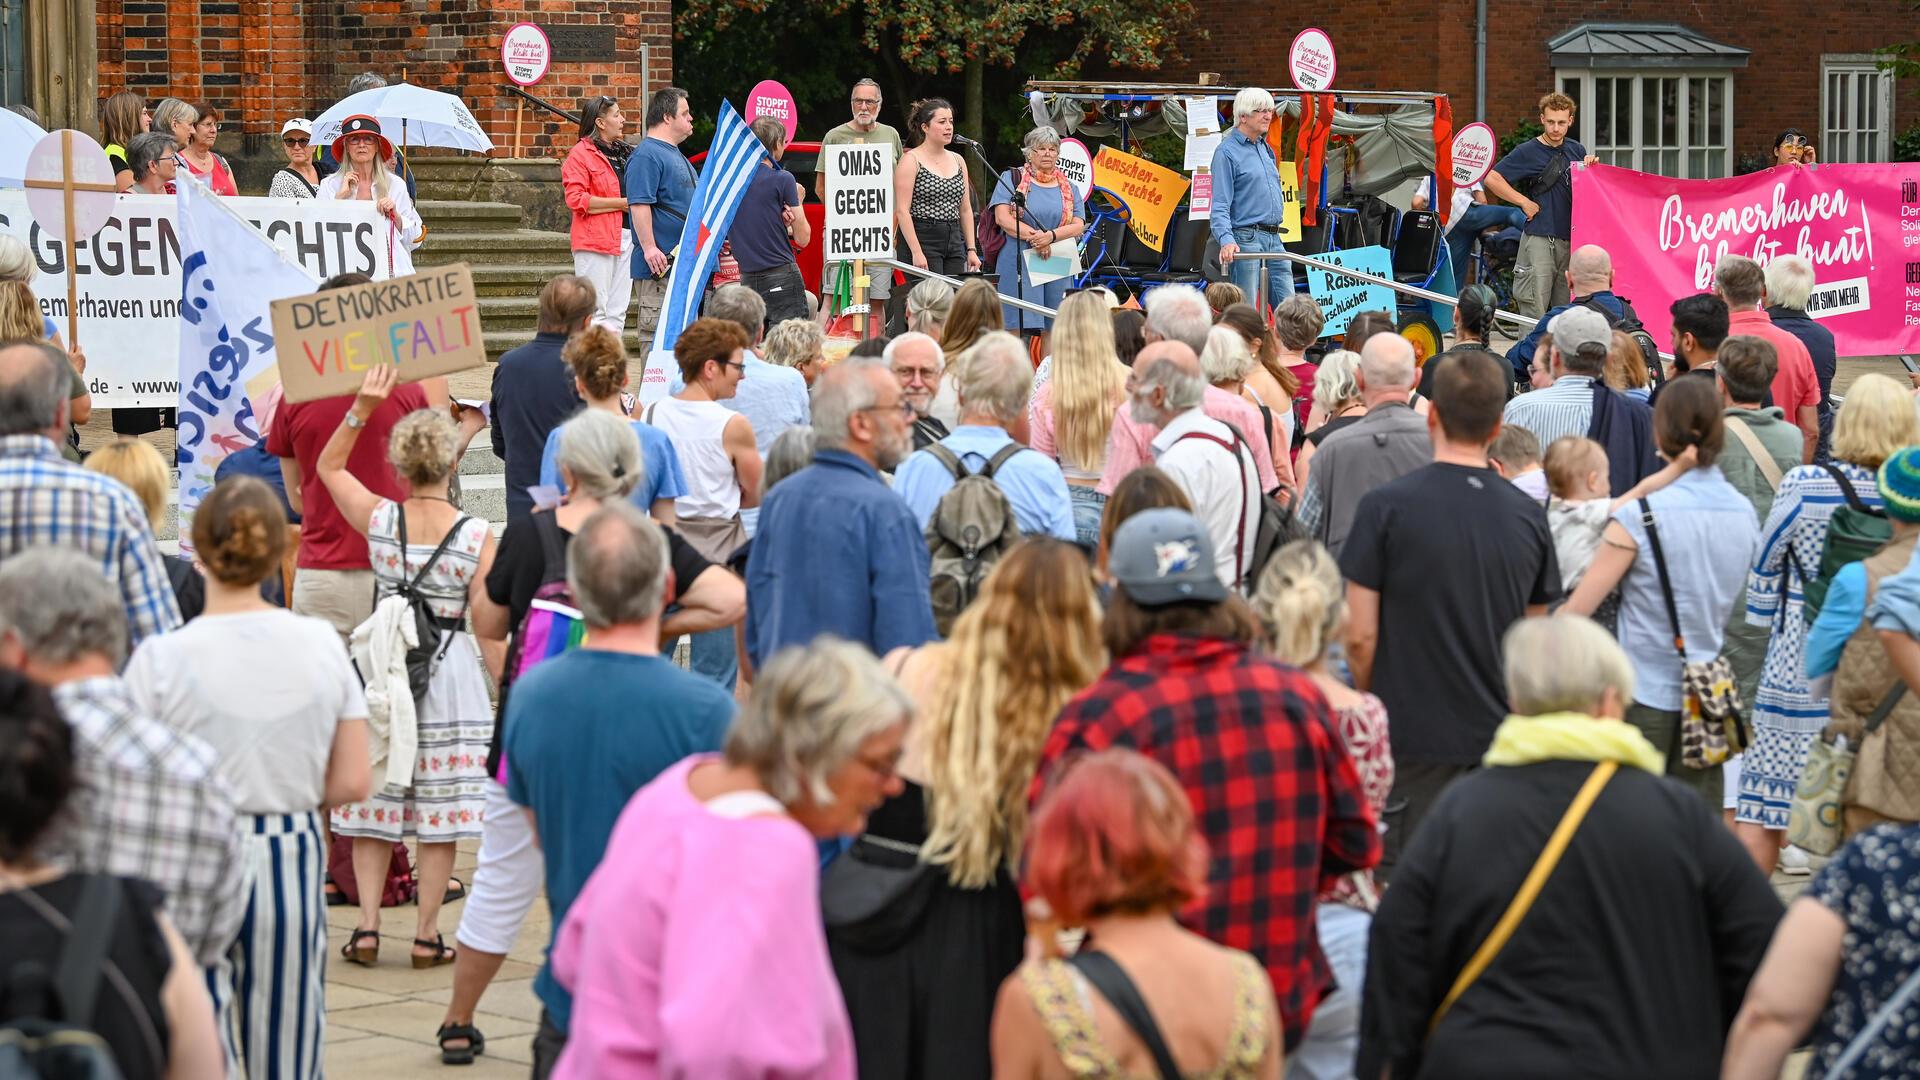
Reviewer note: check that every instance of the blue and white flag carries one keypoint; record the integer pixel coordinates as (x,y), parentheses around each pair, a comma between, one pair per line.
(729,169)
(230,276)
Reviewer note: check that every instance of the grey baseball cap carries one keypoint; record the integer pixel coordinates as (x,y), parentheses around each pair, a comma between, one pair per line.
(1164,556)
(1579,325)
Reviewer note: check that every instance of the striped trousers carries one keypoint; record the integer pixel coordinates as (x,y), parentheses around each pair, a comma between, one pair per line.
(268,995)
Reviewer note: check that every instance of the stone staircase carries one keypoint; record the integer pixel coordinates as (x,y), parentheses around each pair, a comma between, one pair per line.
(498,216)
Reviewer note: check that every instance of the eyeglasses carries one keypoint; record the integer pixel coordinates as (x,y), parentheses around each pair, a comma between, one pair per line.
(733,363)
(903,407)
(885,770)
(921,374)
(866,103)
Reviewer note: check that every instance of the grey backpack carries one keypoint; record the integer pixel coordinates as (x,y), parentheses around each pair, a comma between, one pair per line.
(972,526)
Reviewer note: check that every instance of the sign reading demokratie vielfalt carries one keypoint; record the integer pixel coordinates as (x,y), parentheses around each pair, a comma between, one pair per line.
(859,201)
(131,279)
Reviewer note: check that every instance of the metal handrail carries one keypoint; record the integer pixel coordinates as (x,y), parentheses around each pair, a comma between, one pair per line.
(1361,275)
(920,271)
(540,101)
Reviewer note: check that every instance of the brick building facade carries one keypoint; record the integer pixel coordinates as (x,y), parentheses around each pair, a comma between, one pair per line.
(1796,67)
(262,61)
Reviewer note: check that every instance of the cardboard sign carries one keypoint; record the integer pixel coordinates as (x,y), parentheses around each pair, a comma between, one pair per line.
(1151,192)
(769,98)
(1473,151)
(1076,164)
(427,323)
(526,54)
(1341,297)
(1289,200)
(859,186)
(1311,61)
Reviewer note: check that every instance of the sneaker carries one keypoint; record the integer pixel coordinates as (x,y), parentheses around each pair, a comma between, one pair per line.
(1794,861)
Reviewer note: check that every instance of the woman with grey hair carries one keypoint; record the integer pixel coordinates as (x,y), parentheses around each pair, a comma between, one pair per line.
(1336,403)
(719,854)
(1037,208)
(1627,973)
(437,792)
(1789,284)
(176,118)
(798,344)
(927,307)
(150,157)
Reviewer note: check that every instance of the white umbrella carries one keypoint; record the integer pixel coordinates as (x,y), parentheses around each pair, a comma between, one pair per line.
(409,115)
(17,138)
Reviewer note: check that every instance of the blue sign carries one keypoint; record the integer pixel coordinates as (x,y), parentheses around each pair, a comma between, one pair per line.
(1340,297)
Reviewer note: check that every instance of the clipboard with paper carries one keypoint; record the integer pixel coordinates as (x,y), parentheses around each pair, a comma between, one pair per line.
(1063,261)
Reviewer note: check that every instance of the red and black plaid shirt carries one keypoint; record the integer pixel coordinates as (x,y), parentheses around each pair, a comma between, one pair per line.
(1253,743)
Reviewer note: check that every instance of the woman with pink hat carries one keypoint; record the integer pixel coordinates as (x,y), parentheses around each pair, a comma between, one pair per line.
(363,153)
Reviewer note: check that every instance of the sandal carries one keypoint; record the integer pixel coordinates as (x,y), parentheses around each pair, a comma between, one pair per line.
(443,953)
(460,1055)
(335,898)
(365,956)
(456,890)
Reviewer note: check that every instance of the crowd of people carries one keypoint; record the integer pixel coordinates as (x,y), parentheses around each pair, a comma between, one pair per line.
(1216,696)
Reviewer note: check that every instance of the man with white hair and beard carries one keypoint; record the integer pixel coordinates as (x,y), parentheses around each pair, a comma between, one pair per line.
(838,552)
(1211,461)
(1180,313)
(916,360)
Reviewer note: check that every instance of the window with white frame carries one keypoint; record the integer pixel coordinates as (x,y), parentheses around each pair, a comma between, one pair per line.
(1856,108)
(1669,122)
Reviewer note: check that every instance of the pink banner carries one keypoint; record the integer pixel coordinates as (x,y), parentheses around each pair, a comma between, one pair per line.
(1858,224)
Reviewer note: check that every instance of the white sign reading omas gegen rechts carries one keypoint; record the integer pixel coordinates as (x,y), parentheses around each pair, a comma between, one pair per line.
(859,186)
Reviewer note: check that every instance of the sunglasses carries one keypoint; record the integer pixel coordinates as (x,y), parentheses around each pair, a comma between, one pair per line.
(290,141)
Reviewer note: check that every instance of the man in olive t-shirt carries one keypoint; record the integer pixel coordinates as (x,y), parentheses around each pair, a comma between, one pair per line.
(865,127)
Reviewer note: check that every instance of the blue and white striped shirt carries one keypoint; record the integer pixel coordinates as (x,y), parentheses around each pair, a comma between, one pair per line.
(1565,408)
(47,501)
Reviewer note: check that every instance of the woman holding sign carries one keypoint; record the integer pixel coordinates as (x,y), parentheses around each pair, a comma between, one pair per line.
(1037,205)
(365,176)
(934,195)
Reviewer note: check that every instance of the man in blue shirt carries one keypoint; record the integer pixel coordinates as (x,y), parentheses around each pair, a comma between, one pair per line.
(659,192)
(533,388)
(1537,177)
(769,211)
(993,407)
(1247,203)
(588,728)
(1589,283)
(838,552)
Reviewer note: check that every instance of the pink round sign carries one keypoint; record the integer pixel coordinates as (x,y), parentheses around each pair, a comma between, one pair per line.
(1473,151)
(1311,59)
(526,54)
(46,175)
(769,98)
(1076,164)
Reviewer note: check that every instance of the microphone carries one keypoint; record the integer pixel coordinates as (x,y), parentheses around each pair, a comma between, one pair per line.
(964,141)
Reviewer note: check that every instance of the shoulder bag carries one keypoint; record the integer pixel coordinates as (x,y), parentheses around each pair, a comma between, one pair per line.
(1108,977)
(1816,822)
(1530,888)
(1709,701)
(874,896)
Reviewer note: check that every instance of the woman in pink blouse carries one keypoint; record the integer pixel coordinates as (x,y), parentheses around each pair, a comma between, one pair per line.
(1072,412)
(696,948)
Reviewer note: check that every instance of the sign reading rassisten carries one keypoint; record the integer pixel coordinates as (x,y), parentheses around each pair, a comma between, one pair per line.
(859,201)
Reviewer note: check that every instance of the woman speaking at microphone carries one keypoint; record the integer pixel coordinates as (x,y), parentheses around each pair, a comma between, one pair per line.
(365,176)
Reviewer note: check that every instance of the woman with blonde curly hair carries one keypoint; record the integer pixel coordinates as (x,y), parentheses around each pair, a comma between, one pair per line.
(1876,420)
(275,697)
(798,344)
(438,795)
(975,314)
(921,996)
(1302,602)
(1072,412)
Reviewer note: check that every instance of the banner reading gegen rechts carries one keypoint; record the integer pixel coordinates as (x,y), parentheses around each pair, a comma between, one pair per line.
(131,278)
(1858,224)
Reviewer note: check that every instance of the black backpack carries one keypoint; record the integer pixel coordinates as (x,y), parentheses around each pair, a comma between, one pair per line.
(48,1032)
(972,526)
(434,641)
(1628,322)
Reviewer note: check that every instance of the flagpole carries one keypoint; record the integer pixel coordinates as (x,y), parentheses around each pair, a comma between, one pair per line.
(216,201)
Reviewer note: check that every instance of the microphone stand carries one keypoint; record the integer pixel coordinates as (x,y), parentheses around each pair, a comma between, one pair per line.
(1019,199)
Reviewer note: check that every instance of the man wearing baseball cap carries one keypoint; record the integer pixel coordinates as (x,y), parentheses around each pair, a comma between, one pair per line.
(1251,741)
(1564,376)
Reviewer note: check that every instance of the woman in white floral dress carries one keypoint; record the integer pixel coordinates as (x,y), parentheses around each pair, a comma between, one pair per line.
(443,802)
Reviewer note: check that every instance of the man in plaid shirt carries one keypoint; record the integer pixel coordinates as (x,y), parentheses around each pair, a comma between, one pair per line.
(150,803)
(1251,740)
(45,499)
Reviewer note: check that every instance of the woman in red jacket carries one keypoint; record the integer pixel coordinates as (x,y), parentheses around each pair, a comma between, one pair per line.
(602,242)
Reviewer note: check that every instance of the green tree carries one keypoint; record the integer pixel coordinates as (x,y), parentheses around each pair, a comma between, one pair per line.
(1902,59)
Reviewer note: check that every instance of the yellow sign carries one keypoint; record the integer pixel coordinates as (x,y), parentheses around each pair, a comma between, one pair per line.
(1290,196)
(1151,192)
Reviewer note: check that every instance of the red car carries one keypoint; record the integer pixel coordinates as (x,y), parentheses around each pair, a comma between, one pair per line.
(801,159)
